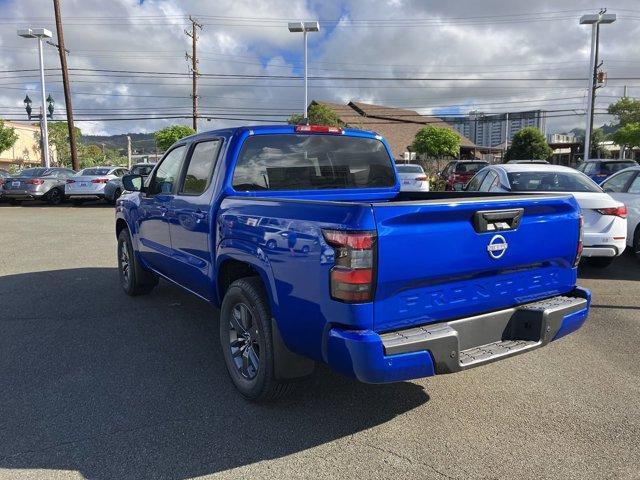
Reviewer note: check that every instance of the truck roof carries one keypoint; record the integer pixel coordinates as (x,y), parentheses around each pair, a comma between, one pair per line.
(276,129)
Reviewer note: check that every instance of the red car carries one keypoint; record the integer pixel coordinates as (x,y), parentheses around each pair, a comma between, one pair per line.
(457,173)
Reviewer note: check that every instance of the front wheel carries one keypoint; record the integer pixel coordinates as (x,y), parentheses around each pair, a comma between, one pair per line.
(135,280)
(116,196)
(247,343)
(600,262)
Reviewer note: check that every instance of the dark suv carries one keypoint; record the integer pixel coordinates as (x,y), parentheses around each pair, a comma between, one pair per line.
(599,170)
(457,173)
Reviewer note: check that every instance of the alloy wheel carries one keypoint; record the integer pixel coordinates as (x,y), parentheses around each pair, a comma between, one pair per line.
(244,341)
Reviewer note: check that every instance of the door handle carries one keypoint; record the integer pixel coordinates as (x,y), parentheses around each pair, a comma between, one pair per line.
(163,210)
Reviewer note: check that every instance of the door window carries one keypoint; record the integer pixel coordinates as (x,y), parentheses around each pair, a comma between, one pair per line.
(635,185)
(488,181)
(617,183)
(474,184)
(200,168)
(167,172)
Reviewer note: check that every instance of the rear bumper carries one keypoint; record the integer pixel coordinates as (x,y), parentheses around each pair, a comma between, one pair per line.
(457,345)
(22,195)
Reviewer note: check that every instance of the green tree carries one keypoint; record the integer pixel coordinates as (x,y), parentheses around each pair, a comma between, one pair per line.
(627,135)
(59,136)
(436,142)
(171,134)
(597,148)
(528,144)
(8,137)
(627,110)
(318,115)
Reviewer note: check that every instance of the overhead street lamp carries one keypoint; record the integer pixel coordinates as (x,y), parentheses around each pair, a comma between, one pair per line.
(40,33)
(594,21)
(304,27)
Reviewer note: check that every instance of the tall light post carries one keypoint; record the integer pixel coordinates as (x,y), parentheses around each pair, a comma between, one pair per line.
(304,27)
(41,33)
(594,21)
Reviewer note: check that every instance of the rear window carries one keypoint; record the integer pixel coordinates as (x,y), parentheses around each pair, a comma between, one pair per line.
(612,167)
(34,172)
(95,171)
(551,182)
(470,167)
(409,169)
(312,162)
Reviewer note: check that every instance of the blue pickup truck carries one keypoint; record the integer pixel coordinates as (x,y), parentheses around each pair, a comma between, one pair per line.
(302,238)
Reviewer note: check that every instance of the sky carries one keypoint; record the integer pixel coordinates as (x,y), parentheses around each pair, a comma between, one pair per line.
(493,56)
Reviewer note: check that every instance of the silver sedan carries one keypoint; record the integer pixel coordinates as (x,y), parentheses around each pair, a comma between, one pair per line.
(37,183)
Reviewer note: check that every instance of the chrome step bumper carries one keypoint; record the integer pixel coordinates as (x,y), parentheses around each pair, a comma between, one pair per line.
(469,342)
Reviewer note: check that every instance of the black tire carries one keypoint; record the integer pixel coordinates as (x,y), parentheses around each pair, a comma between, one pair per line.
(636,243)
(54,196)
(116,196)
(134,279)
(259,383)
(305,249)
(272,244)
(600,262)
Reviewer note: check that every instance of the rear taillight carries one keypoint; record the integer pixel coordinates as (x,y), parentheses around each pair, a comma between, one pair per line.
(579,249)
(100,180)
(71,181)
(422,179)
(35,181)
(615,211)
(352,277)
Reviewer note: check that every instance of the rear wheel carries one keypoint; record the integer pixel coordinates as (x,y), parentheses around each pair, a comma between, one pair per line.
(247,342)
(636,243)
(116,196)
(600,262)
(54,196)
(135,280)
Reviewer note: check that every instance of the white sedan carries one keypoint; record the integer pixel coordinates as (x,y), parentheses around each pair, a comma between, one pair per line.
(90,182)
(605,219)
(412,178)
(624,186)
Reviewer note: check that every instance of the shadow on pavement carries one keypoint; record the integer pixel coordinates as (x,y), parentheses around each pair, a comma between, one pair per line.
(114,387)
(624,267)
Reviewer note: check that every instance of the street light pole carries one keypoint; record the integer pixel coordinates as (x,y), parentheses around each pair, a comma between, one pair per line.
(594,21)
(305,28)
(41,33)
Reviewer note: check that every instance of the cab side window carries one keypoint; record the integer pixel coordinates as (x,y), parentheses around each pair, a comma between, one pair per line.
(617,183)
(200,168)
(167,173)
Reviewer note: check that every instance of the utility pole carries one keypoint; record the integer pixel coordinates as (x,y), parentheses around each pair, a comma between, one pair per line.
(194,67)
(129,151)
(506,133)
(75,165)
(595,21)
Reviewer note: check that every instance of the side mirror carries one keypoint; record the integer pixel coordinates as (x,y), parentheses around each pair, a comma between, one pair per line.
(132,182)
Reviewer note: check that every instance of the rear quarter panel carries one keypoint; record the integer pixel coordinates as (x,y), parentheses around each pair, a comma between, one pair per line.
(297,280)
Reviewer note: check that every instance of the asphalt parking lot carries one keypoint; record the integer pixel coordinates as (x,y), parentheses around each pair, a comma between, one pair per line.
(97,385)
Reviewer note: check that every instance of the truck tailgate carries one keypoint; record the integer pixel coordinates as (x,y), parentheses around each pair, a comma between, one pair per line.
(435,261)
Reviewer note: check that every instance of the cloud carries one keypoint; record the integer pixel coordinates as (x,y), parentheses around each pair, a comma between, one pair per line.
(403,38)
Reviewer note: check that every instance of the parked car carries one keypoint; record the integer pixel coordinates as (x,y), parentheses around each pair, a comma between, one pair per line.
(457,173)
(90,183)
(113,189)
(599,170)
(624,186)
(4,174)
(37,183)
(538,162)
(605,219)
(416,284)
(412,178)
